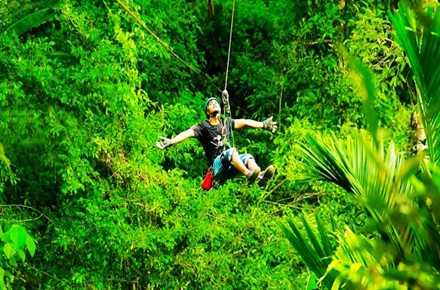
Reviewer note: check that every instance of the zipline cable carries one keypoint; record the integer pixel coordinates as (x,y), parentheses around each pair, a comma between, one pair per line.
(230,44)
(225,95)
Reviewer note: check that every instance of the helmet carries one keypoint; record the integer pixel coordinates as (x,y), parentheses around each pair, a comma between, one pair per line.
(208,101)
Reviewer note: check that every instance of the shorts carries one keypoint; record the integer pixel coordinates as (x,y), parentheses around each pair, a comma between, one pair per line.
(222,167)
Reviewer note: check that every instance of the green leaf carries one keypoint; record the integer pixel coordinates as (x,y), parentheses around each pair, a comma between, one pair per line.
(9,250)
(21,255)
(325,237)
(312,283)
(2,278)
(30,244)
(368,87)
(18,236)
(313,238)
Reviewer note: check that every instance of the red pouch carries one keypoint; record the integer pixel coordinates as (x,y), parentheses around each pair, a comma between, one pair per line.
(208,180)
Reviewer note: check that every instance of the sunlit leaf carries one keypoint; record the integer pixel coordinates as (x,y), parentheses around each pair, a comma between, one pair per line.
(9,250)
(18,236)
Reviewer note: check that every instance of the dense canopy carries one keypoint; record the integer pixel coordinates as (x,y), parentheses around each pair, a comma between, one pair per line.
(88,201)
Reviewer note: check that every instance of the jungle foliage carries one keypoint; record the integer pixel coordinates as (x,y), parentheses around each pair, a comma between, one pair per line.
(89,202)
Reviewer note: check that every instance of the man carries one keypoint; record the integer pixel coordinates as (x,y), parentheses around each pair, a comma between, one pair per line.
(213,133)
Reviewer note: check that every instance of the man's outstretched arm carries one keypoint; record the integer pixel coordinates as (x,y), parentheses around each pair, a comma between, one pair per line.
(166,142)
(268,124)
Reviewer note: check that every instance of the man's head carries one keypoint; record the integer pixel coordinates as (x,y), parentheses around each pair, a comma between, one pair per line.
(212,108)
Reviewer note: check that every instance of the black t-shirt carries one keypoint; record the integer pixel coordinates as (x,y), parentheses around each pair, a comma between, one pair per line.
(213,138)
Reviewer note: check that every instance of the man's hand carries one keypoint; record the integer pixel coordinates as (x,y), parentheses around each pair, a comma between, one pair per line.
(164,143)
(225,94)
(270,125)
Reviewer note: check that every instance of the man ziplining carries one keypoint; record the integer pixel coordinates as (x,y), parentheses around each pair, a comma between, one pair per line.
(224,161)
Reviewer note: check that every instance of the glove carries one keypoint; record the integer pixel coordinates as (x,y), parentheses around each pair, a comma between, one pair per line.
(270,125)
(164,143)
(225,97)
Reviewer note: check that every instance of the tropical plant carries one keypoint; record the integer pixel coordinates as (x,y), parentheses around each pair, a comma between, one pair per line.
(401,196)
(418,33)
(317,250)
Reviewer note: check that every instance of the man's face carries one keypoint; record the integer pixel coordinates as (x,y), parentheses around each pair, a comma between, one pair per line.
(213,108)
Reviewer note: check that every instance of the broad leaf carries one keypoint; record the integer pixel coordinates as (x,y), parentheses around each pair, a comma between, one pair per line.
(30,244)
(18,236)
(9,250)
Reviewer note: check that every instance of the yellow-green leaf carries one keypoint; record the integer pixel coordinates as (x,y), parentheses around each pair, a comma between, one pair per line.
(9,250)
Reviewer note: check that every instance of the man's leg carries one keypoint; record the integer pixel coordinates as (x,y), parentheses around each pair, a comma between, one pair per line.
(238,164)
(252,169)
(263,176)
(252,165)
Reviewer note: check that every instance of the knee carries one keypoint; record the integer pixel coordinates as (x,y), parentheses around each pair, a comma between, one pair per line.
(234,151)
(253,166)
(230,155)
(251,163)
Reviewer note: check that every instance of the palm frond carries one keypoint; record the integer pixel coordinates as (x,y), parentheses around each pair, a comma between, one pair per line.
(422,48)
(325,236)
(324,163)
(356,259)
(371,173)
(301,245)
(365,82)
(354,164)
(315,249)
(313,239)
